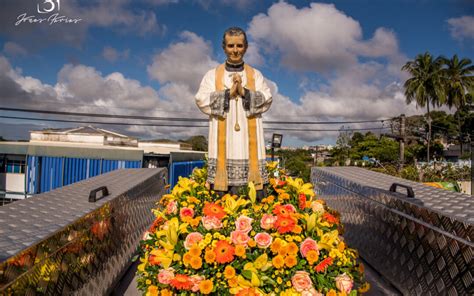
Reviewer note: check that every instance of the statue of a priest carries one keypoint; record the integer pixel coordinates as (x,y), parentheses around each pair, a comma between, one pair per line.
(235,95)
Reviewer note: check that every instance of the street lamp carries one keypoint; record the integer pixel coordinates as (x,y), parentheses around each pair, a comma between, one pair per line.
(276,143)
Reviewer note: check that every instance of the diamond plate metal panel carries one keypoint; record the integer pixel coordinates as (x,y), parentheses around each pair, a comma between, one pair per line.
(58,243)
(422,245)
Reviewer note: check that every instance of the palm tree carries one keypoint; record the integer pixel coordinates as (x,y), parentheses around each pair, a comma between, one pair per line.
(425,86)
(459,81)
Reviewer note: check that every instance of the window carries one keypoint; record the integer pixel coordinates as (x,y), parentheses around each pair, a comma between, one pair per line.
(15,166)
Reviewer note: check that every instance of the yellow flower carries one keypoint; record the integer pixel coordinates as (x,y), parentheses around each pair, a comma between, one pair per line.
(312,257)
(240,250)
(252,243)
(196,262)
(364,288)
(152,291)
(291,261)
(341,246)
(292,248)
(276,245)
(331,292)
(206,286)
(233,282)
(210,256)
(229,272)
(195,250)
(278,261)
(283,249)
(279,280)
(176,257)
(166,292)
(297,229)
(187,258)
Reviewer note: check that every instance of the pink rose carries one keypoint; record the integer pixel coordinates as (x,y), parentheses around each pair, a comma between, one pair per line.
(263,240)
(210,222)
(239,237)
(186,213)
(317,207)
(166,275)
(344,283)
(191,239)
(290,208)
(196,279)
(172,207)
(301,281)
(243,223)
(267,221)
(307,245)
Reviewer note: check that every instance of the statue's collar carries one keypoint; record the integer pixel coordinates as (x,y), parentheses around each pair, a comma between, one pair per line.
(234,67)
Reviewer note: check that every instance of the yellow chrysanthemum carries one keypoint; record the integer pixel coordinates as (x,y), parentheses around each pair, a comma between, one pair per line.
(293,248)
(240,250)
(291,261)
(210,256)
(278,261)
(152,291)
(312,256)
(251,243)
(196,262)
(187,258)
(166,292)
(206,286)
(331,292)
(229,272)
(195,250)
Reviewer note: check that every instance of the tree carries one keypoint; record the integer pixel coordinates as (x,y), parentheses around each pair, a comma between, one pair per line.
(199,143)
(458,80)
(425,86)
(458,83)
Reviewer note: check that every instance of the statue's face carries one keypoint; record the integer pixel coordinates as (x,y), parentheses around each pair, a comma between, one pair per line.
(235,48)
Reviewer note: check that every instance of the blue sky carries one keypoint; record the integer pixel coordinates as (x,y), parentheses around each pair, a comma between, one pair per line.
(325,60)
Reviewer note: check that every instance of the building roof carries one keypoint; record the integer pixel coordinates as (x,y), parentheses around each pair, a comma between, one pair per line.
(71,150)
(82,130)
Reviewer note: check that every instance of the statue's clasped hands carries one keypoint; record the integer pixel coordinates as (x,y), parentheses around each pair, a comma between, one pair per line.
(237,89)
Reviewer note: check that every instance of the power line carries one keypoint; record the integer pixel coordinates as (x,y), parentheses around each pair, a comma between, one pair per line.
(177,118)
(180,125)
(101,122)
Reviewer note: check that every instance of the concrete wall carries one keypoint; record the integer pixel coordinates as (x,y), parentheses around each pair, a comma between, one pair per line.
(90,139)
(12,182)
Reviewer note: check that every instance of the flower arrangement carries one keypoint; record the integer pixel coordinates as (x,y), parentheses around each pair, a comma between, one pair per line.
(288,243)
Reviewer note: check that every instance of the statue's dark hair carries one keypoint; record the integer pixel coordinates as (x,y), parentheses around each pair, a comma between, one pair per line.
(235,31)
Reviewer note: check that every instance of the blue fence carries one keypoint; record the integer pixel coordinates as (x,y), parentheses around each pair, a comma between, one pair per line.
(46,173)
(183,169)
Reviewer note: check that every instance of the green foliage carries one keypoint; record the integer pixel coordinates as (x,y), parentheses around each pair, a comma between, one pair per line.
(199,143)
(297,162)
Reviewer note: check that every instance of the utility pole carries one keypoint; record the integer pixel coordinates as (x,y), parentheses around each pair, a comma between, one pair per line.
(401,141)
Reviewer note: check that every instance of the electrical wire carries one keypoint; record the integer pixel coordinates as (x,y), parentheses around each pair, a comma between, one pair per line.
(181,125)
(176,118)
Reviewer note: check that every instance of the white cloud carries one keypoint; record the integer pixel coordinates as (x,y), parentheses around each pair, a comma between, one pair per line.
(317,38)
(183,62)
(462,27)
(14,49)
(111,54)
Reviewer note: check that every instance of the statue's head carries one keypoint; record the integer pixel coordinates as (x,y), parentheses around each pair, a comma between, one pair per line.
(234,43)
